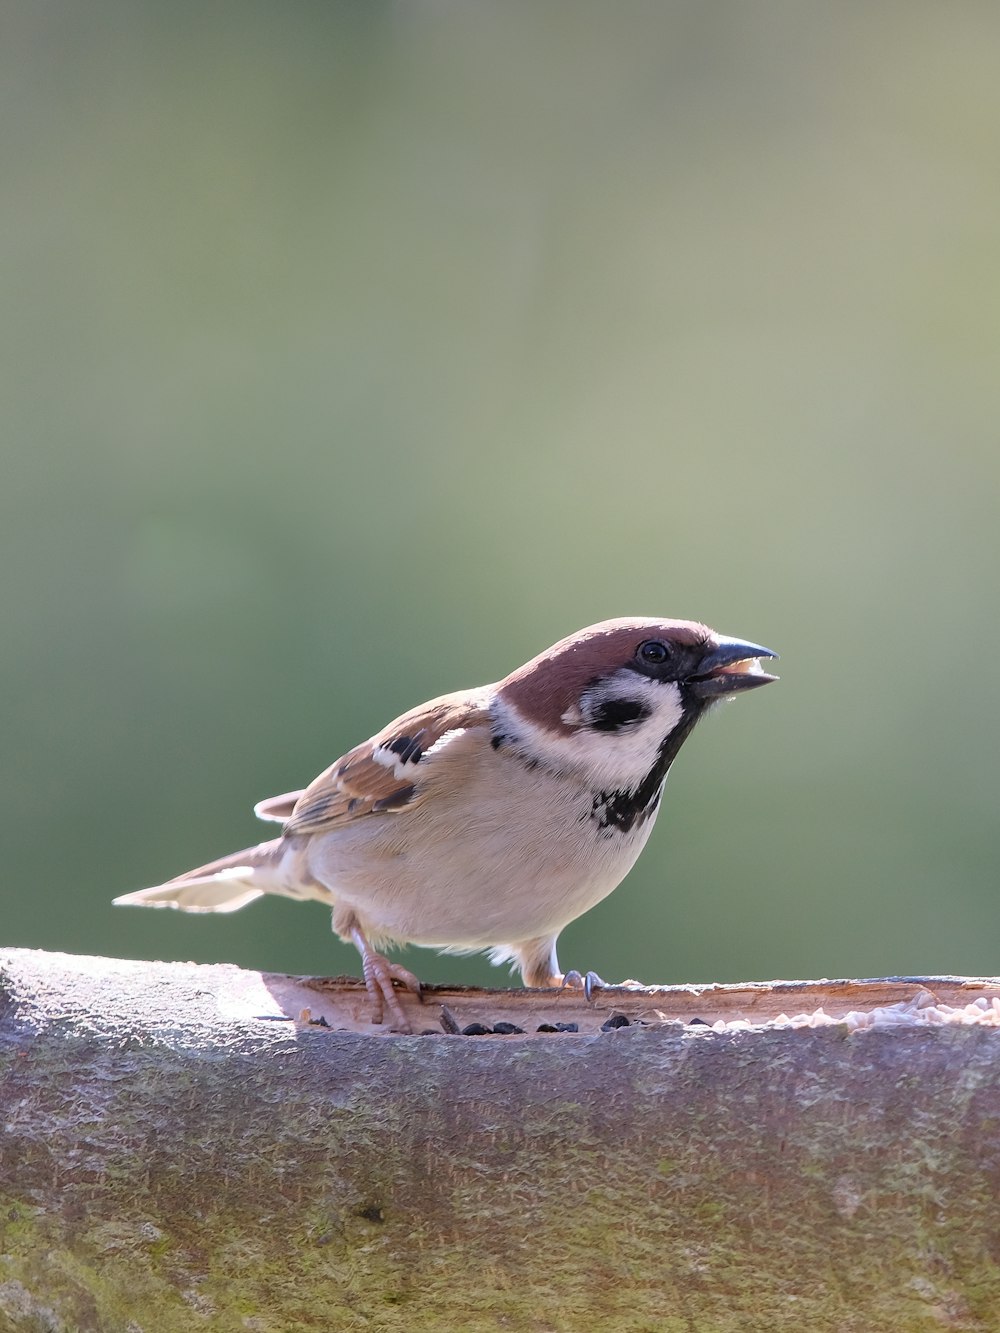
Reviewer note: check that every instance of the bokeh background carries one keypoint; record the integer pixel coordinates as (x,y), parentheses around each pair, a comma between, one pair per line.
(354,352)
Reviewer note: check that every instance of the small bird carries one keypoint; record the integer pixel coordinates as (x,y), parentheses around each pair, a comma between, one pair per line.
(489,818)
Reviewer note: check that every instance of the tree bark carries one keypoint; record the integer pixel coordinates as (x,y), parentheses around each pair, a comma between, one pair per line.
(182,1147)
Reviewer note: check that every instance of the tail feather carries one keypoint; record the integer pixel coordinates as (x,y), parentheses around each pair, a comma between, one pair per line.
(225,885)
(266,856)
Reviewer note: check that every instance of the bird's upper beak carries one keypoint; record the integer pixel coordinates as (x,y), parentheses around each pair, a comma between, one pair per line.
(730,666)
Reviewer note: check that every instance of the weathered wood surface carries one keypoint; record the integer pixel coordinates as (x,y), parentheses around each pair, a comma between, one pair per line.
(176,1156)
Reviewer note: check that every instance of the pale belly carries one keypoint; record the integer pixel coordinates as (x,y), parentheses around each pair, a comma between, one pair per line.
(448,873)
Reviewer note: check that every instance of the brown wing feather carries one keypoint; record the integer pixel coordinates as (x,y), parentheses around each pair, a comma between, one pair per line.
(383,773)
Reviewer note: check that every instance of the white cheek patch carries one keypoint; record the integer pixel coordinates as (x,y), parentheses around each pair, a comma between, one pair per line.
(611,760)
(619,703)
(626,752)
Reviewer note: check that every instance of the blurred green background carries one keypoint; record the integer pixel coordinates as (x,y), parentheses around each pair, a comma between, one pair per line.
(354,352)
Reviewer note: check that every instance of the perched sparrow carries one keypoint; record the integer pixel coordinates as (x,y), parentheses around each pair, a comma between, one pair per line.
(490,818)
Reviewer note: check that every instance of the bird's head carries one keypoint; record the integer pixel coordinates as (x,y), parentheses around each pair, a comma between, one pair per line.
(618,698)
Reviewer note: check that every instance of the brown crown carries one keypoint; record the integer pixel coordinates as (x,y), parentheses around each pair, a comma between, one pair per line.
(550,684)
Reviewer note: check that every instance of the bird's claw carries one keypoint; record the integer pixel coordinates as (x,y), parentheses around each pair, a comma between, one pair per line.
(380,974)
(588,983)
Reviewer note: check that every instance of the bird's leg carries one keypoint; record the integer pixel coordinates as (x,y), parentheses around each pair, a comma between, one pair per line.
(538,962)
(379,976)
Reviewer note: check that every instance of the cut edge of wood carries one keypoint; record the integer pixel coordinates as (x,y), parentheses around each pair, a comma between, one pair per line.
(206,994)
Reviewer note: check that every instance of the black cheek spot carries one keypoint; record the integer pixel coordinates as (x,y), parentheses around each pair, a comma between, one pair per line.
(613,714)
(498,740)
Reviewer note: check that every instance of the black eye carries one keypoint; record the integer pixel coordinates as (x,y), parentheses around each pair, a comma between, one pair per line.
(653,652)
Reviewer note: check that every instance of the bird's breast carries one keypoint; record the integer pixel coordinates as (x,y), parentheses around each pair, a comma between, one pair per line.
(508,852)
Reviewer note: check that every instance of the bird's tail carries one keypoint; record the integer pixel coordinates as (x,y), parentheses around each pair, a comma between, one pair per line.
(226,885)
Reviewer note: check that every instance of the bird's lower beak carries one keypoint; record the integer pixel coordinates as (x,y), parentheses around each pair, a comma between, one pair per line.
(731,666)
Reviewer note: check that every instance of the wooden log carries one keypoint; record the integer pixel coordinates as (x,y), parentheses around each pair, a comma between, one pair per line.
(183,1147)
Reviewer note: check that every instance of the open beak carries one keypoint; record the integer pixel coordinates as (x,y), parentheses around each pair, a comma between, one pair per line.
(731,666)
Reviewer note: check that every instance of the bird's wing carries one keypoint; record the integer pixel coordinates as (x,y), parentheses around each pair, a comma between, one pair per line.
(382,774)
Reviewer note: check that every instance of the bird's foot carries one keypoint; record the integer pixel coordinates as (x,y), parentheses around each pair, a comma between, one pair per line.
(588,982)
(380,974)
